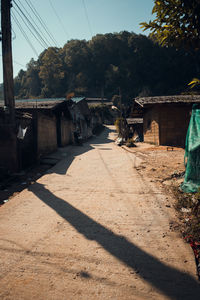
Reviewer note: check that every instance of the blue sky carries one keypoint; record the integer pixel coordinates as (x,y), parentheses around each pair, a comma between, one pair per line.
(75,19)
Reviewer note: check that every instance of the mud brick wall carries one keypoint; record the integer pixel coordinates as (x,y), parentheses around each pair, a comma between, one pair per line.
(46,134)
(167,124)
(174,121)
(151,126)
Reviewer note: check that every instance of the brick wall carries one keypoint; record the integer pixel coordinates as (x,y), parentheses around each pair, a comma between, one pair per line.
(46,134)
(151,126)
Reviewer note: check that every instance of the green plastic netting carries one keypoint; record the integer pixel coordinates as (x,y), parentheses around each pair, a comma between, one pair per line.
(192,153)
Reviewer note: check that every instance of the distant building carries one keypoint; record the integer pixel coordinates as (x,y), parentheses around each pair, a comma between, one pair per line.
(135,126)
(81,116)
(166,118)
(53,122)
(94,101)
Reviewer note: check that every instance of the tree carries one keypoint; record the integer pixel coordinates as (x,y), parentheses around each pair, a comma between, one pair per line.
(77,60)
(98,67)
(177,23)
(51,72)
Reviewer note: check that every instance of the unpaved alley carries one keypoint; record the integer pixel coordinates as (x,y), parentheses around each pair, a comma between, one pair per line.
(93,228)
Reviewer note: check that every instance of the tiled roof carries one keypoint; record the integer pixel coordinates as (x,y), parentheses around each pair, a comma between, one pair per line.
(142,101)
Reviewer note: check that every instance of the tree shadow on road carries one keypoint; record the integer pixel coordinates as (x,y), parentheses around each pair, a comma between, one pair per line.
(170,281)
(55,163)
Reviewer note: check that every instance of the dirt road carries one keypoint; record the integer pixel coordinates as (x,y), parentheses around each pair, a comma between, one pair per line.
(93,228)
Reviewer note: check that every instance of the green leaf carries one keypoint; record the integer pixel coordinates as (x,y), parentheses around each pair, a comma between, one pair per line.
(194,82)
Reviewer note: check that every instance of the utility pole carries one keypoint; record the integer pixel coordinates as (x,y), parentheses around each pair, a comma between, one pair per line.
(8,145)
(7,61)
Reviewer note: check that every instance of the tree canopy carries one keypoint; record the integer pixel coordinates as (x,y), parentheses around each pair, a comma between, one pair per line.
(177,23)
(134,63)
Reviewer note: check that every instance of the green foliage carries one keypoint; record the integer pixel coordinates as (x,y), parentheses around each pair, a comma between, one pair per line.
(195,82)
(101,110)
(51,73)
(116,101)
(131,62)
(190,201)
(118,124)
(177,23)
(121,128)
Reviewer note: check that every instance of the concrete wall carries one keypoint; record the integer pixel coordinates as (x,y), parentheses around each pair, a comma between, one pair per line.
(46,134)
(151,126)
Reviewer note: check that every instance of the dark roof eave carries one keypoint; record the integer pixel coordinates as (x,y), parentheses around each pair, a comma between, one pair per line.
(178,99)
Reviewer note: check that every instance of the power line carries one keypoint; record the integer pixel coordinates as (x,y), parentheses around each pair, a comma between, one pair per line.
(86,14)
(14,37)
(36,14)
(30,18)
(24,33)
(43,46)
(59,19)
(17,63)
(28,23)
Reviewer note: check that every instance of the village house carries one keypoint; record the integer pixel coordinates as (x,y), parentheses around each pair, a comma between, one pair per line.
(9,143)
(42,125)
(103,111)
(135,126)
(95,101)
(52,123)
(81,116)
(166,118)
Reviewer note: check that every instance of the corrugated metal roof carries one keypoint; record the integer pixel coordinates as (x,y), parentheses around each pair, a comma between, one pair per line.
(47,103)
(77,99)
(93,104)
(142,101)
(41,100)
